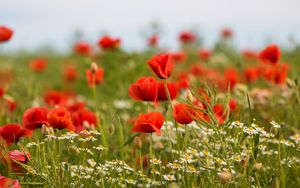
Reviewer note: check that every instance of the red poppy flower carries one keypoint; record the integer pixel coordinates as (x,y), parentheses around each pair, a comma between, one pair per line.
(35,117)
(161,65)
(205,54)
(82,48)
(70,73)
(9,183)
(232,104)
(187,37)
(12,132)
(203,96)
(14,158)
(251,74)
(231,77)
(270,54)
(162,95)
(226,33)
(108,43)
(73,107)
(148,123)
(280,73)
(276,74)
(178,57)
(11,104)
(198,113)
(60,118)
(1,92)
(153,40)
(38,65)
(144,89)
(198,70)
(94,78)
(83,119)
(219,113)
(183,114)
(53,98)
(183,81)
(5,34)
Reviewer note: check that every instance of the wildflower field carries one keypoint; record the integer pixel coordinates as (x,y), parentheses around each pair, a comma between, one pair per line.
(102,116)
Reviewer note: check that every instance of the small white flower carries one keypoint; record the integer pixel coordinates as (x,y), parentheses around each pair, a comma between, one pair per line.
(275,124)
(169,177)
(155,161)
(91,162)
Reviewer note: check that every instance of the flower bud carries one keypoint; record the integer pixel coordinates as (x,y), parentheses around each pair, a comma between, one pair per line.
(137,142)
(189,95)
(257,166)
(94,67)
(46,130)
(225,177)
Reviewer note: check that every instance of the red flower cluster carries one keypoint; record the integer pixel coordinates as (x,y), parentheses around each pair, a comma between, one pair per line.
(276,74)
(72,117)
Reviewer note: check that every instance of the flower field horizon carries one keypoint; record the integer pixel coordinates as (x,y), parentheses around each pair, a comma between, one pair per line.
(101,116)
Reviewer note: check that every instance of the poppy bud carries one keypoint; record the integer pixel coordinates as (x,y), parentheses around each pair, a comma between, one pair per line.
(46,130)
(225,177)
(138,142)
(189,95)
(94,68)
(257,166)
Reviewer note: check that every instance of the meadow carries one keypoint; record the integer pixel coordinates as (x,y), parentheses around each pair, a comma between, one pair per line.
(101,116)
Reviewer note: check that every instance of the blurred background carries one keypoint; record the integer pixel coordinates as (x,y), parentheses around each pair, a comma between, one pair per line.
(55,23)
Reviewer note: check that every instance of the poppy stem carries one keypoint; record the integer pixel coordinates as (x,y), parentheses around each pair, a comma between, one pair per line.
(168,94)
(150,147)
(171,106)
(141,161)
(94,96)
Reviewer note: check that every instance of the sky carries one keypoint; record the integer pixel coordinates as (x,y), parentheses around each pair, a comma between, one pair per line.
(255,22)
